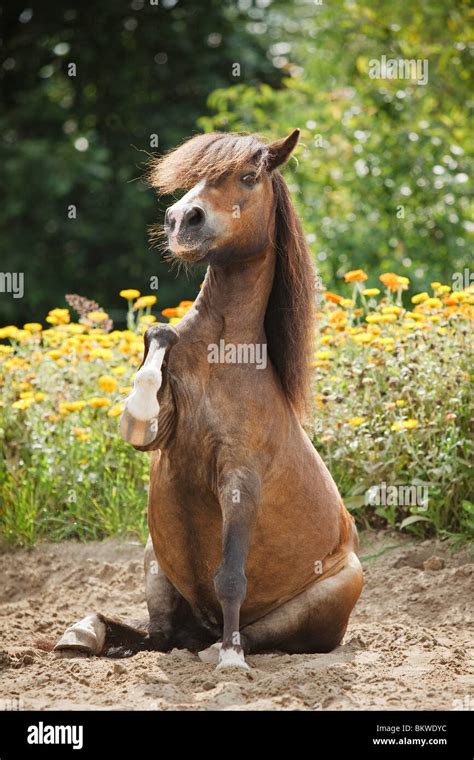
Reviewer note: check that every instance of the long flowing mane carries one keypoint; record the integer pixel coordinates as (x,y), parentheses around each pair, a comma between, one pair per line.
(290,315)
(289,318)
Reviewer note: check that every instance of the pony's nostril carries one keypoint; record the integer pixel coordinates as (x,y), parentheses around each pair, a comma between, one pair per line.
(194,216)
(169,220)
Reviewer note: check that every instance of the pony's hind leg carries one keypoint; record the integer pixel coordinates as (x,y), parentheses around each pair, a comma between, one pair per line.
(313,621)
(100,635)
(171,623)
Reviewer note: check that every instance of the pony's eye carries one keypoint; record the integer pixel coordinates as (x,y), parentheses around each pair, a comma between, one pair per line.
(250,179)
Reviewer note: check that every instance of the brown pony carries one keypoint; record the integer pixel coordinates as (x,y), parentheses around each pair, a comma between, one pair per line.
(250,547)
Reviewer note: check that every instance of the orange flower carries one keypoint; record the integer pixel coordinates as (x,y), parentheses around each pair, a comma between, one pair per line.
(170,312)
(333,297)
(390,280)
(355,275)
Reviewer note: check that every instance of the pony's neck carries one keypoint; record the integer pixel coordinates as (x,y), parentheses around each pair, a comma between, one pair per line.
(234,298)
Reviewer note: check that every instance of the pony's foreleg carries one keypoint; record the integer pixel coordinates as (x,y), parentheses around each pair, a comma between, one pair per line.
(239,493)
(139,420)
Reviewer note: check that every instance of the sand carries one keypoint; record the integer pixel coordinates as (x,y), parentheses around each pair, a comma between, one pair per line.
(408,646)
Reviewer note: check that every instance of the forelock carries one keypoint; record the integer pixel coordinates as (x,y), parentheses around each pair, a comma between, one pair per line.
(209,156)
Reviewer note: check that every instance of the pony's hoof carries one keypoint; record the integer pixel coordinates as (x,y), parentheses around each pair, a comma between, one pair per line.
(88,635)
(231,658)
(211,654)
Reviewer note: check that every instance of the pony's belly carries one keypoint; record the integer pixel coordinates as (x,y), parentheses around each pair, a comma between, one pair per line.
(187,544)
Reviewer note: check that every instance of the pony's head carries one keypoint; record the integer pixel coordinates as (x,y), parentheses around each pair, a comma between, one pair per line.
(228,213)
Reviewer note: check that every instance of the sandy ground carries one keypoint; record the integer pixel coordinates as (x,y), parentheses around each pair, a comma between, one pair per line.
(408,644)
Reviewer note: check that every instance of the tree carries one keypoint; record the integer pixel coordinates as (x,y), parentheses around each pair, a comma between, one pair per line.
(88,93)
(381,178)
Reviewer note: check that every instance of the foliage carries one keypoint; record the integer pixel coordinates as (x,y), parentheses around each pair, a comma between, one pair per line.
(391,404)
(143,73)
(381,173)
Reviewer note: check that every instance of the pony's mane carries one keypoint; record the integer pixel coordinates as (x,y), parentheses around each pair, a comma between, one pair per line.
(290,315)
(289,318)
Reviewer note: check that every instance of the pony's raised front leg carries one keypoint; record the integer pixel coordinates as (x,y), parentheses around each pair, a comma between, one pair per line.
(239,495)
(139,420)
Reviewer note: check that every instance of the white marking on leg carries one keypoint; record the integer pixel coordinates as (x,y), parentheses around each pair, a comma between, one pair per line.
(142,403)
(87,635)
(232,658)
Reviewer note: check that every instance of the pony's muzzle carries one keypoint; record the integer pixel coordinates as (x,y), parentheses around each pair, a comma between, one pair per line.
(184,219)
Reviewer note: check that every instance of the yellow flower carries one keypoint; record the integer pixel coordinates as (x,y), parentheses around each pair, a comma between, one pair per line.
(120,370)
(97,402)
(81,433)
(40,396)
(54,354)
(391,310)
(97,316)
(355,275)
(107,383)
(355,421)
(6,349)
(400,402)
(71,406)
(75,329)
(10,331)
(373,318)
(418,316)
(364,338)
(125,389)
(144,301)
(435,285)
(371,292)
(147,319)
(322,354)
(101,353)
(115,410)
(347,302)
(432,303)
(58,317)
(404,425)
(33,327)
(129,294)
(420,297)
(23,403)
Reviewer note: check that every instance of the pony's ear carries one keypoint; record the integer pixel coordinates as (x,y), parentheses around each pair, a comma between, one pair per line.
(280,150)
